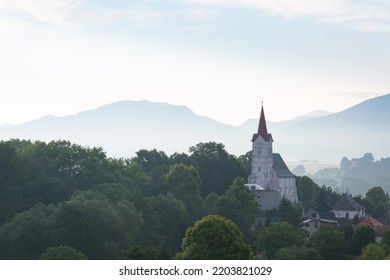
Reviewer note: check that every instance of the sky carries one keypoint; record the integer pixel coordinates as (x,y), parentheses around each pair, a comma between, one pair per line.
(220,58)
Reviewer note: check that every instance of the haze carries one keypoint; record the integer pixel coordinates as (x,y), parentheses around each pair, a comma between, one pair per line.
(219,58)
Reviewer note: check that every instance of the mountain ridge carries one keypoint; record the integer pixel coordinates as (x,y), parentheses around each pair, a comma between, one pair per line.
(124,127)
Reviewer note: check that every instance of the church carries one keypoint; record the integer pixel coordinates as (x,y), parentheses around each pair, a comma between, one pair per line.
(270,177)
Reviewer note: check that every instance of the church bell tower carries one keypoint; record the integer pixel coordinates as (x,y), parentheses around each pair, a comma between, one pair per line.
(262,156)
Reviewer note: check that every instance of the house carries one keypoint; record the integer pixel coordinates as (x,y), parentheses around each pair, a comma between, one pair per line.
(348,208)
(269,171)
(376,225)
(311,221)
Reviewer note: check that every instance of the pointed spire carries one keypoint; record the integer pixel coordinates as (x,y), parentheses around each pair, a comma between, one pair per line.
(262,129)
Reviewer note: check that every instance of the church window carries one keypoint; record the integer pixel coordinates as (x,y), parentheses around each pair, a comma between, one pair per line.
(259,168)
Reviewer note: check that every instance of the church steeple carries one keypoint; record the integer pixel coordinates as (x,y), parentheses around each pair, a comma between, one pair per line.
(262,128)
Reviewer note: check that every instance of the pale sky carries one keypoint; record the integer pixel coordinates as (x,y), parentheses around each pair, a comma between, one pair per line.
(220,58)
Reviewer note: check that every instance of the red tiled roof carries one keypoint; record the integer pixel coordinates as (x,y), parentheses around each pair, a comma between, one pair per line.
(370,221)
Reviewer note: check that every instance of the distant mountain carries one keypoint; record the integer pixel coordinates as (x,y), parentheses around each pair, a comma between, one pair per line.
(125,127)
(352,132)
(251,124)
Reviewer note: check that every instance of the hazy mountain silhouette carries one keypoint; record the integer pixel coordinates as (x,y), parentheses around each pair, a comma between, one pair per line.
(352,132)
(125,127)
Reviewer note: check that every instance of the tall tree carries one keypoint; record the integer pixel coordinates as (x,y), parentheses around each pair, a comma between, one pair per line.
(289,212)
(184,183)
(239,205)
(362,236)
(377,202)
(214,238)
(279,235)
(306,191)
(216,166)
(329,242)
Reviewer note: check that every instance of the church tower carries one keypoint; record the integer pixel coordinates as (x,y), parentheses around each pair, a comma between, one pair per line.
(270,177)
(262,156)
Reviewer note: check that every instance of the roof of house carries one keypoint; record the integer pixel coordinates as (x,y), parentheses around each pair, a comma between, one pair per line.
(262,129)
(370,221)
(384,221)
(306,221)
(280,167)
(347,203)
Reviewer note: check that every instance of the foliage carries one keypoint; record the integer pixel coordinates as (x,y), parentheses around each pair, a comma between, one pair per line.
(214,238)
(237,204)
(376,202)
(288,212)
(307,190)
(60,194)
(329,242)
(385,242)
(216,167)
(28,235)
(184,183)
(137,252)
(373,252)
(297,253)
(279,235)
(62,253)
(362,236)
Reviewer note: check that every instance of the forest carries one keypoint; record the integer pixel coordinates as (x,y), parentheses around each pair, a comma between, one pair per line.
(60,200)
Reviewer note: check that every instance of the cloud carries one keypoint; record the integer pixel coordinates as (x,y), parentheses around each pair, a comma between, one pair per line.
(139,16)
(47,11)
(374,26)
(330,11)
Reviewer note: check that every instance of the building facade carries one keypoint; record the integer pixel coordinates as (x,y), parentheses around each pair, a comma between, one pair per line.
(269,171)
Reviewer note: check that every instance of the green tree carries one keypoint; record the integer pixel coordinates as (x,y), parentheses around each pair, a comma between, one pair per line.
(239,205)
(385,242)
(306,189)
(288,212)
(373,252)
(216,167)
(98,228)
(322,204)
(28,234)
(329,242)
(298,253)
(279,235)
(172,220)
(362,236)
(137,252)
(376,202)
(11,172)
(184,183)
(214,238)
(62,253)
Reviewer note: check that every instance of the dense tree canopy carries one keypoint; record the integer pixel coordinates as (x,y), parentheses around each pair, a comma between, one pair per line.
(62,253)
(277,236)
(60,200)
(214,238)
(330,242)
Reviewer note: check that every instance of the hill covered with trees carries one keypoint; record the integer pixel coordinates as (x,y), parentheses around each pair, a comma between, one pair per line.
(60,200)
